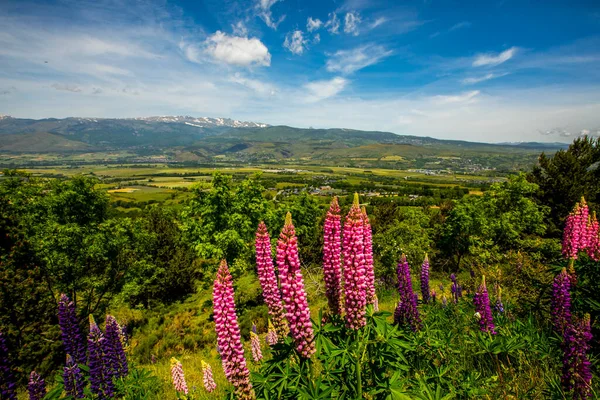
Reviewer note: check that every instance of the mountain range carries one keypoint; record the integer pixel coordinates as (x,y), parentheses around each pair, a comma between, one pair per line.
(185,138)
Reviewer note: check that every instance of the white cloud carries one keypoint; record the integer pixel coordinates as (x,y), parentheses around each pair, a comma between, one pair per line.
(264,7)
(295,42)
(316,38)
(239,29)
(320,90)
(463,98)
(333,24)
(491,59)
(348,61)
(254,84)
(476,79)
(379,21)
(460,25)
(67,87)
(313,24)
(351,22)
(237,50)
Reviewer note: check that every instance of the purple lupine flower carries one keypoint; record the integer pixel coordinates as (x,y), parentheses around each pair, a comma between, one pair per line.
(152,359)
(454,288)
(115,358)
(441,287)
(406,313)
(8,386)
(36,386)
(332,264)
(268,280)
(292,289)
(229,338)
(561,302)
(576,372)
(207,377)
(271,338)
(100,373)
(482,306)
(70,332)
(369,267)
(425,280)
(354,267)
(73,379)
(178,376)
(499,307)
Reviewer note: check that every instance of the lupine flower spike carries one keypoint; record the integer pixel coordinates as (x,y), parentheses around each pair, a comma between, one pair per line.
(593,249)
(73,379)
(375,303)
(271,335)
(208,379)
(577,375)
(406,313)
(8,385)
(433,295)
(255,344)
(499,307)
(71,333)
(425,280)
(369,268)
(454,289)
(100,371)
(36,386)
(228,334)
(482,306)
(268,280)
(577,232)
(292,289)
(332,263)
(178,376)
(115,358)
(355,286)
(561,302)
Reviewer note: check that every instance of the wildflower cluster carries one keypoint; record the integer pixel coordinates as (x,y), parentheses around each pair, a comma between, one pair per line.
(581,233)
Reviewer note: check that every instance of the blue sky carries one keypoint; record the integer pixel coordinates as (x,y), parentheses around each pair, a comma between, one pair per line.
(489,71)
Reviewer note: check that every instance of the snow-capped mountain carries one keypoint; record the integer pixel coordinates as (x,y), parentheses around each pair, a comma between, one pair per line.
(204,122)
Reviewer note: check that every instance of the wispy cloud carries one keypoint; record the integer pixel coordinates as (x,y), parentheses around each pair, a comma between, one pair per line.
(320,90)
(379,21)
(462,98)
(256,85)
(295,42)
(333,24)
(313,24)
(351,22)
(477,79)
(349,61)
(264,7)
(67,87)
(460,25)
(493,59)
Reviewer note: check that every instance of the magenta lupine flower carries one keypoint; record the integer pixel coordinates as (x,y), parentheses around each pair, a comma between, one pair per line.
(271,338)
(36,386)
(482,307)
(369,268)
(207,377)
(229,339)
(268,280)
(70,332)
(355,286)
(8,386)
(593,249)
(73,379)
(292,289)
(425,280)
(561,302)
(576,373)
(576,235)
(433,295)
(178,376)
(332,262)
(406,313)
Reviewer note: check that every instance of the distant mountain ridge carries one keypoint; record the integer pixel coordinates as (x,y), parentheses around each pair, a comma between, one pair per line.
(189,138)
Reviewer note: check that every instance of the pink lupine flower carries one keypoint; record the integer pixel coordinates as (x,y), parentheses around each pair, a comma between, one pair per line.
(229,339)
(332,263)
(354,267)
(207,375)
(268,280)
(576,236)
(271,338)
(178,376)
(369,269)
(593,249)
(292,289)
(255,344)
